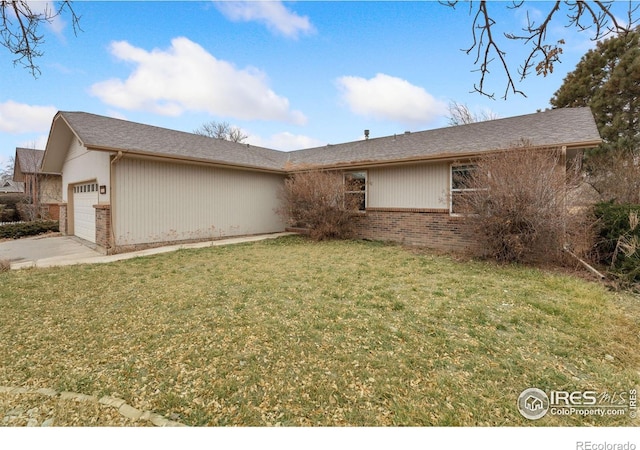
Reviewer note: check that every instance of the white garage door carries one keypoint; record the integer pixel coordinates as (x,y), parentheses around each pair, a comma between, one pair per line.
(84,214)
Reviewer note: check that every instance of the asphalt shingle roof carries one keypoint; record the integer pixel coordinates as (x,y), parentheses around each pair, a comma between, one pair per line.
(565,126)
(115,134)
(29,159)
(10,186)
(555,127)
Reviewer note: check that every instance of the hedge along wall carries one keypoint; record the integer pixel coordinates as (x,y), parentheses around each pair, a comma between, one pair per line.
(9,207)
(616,231)
(21,229)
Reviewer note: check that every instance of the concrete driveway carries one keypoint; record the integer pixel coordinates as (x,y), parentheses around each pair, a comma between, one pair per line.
(47,251)
(40,251)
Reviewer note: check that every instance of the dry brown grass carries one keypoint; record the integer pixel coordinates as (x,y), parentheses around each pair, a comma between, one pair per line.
(292,332)
(17,410)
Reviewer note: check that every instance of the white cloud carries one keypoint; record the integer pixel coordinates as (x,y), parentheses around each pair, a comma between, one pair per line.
(22,118)
(187,77)
(390,98)
(285,141)
(116,114)
(527,15)
(39,143)
(48,9)
(273,14)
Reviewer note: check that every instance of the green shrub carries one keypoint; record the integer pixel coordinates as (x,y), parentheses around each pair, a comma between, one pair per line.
(9,212)
(618,244)
(18,230)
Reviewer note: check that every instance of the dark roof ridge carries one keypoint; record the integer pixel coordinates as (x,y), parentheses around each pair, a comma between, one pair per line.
(482,123)
(563,126)
(64,113)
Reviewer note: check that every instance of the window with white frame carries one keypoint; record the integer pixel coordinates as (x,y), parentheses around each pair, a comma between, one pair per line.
(356,183)
(82,188)
(461,175)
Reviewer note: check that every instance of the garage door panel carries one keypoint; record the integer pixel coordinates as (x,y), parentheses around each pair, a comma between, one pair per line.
(84,215)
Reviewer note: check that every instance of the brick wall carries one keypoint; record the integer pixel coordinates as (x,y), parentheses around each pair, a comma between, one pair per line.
(51,211)
(62,221)
(430,228)
(103,227)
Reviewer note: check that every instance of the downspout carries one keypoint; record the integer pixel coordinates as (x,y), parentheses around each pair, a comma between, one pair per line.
(565,211)
(120,155)
(584,263)
(565,206)
(112,233)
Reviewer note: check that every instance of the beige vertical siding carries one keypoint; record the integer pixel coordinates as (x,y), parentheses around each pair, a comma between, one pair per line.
(158,202)
(84,165)
(51,189)
(410,186)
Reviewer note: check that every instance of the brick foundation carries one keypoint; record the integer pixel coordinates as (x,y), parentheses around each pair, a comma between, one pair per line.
(435,229)
(51,211)
(62,220)
(126,248)
(103,227)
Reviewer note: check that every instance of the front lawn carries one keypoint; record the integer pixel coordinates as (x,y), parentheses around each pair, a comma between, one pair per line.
(292,332)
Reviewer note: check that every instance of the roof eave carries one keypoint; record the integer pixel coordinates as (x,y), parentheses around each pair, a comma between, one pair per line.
(184,159)
(46,158)
(450,156)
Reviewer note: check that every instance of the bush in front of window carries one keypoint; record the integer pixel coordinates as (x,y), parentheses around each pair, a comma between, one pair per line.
(321,202)
(516,201)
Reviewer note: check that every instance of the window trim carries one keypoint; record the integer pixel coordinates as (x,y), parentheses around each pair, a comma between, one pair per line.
(364,191)
(453,190)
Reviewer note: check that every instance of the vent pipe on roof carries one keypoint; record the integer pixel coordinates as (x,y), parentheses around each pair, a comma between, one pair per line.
(366,134)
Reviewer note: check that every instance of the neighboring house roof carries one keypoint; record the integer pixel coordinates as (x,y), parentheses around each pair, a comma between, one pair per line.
(10,186)
(28,161)
(571,127)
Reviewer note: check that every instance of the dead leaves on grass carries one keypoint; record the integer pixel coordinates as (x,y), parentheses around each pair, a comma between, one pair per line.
(306,334)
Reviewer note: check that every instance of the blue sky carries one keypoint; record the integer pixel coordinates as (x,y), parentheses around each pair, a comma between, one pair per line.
(290,74)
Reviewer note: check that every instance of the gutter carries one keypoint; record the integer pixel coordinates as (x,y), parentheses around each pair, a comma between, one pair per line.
(304,166)
(174,158)
(585,264)
(443,157)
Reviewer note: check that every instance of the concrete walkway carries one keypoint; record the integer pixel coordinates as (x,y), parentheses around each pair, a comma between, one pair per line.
(125,410)
(67,250)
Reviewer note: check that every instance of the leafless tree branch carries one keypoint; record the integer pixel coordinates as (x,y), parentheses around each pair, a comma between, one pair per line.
(19,29)
(542,56)
(221,130)
(460,114)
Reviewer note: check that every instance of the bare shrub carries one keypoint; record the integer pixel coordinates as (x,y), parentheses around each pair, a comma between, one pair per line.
(27,212)
(516,202)
(615,175)
(318,201)
(5,265)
